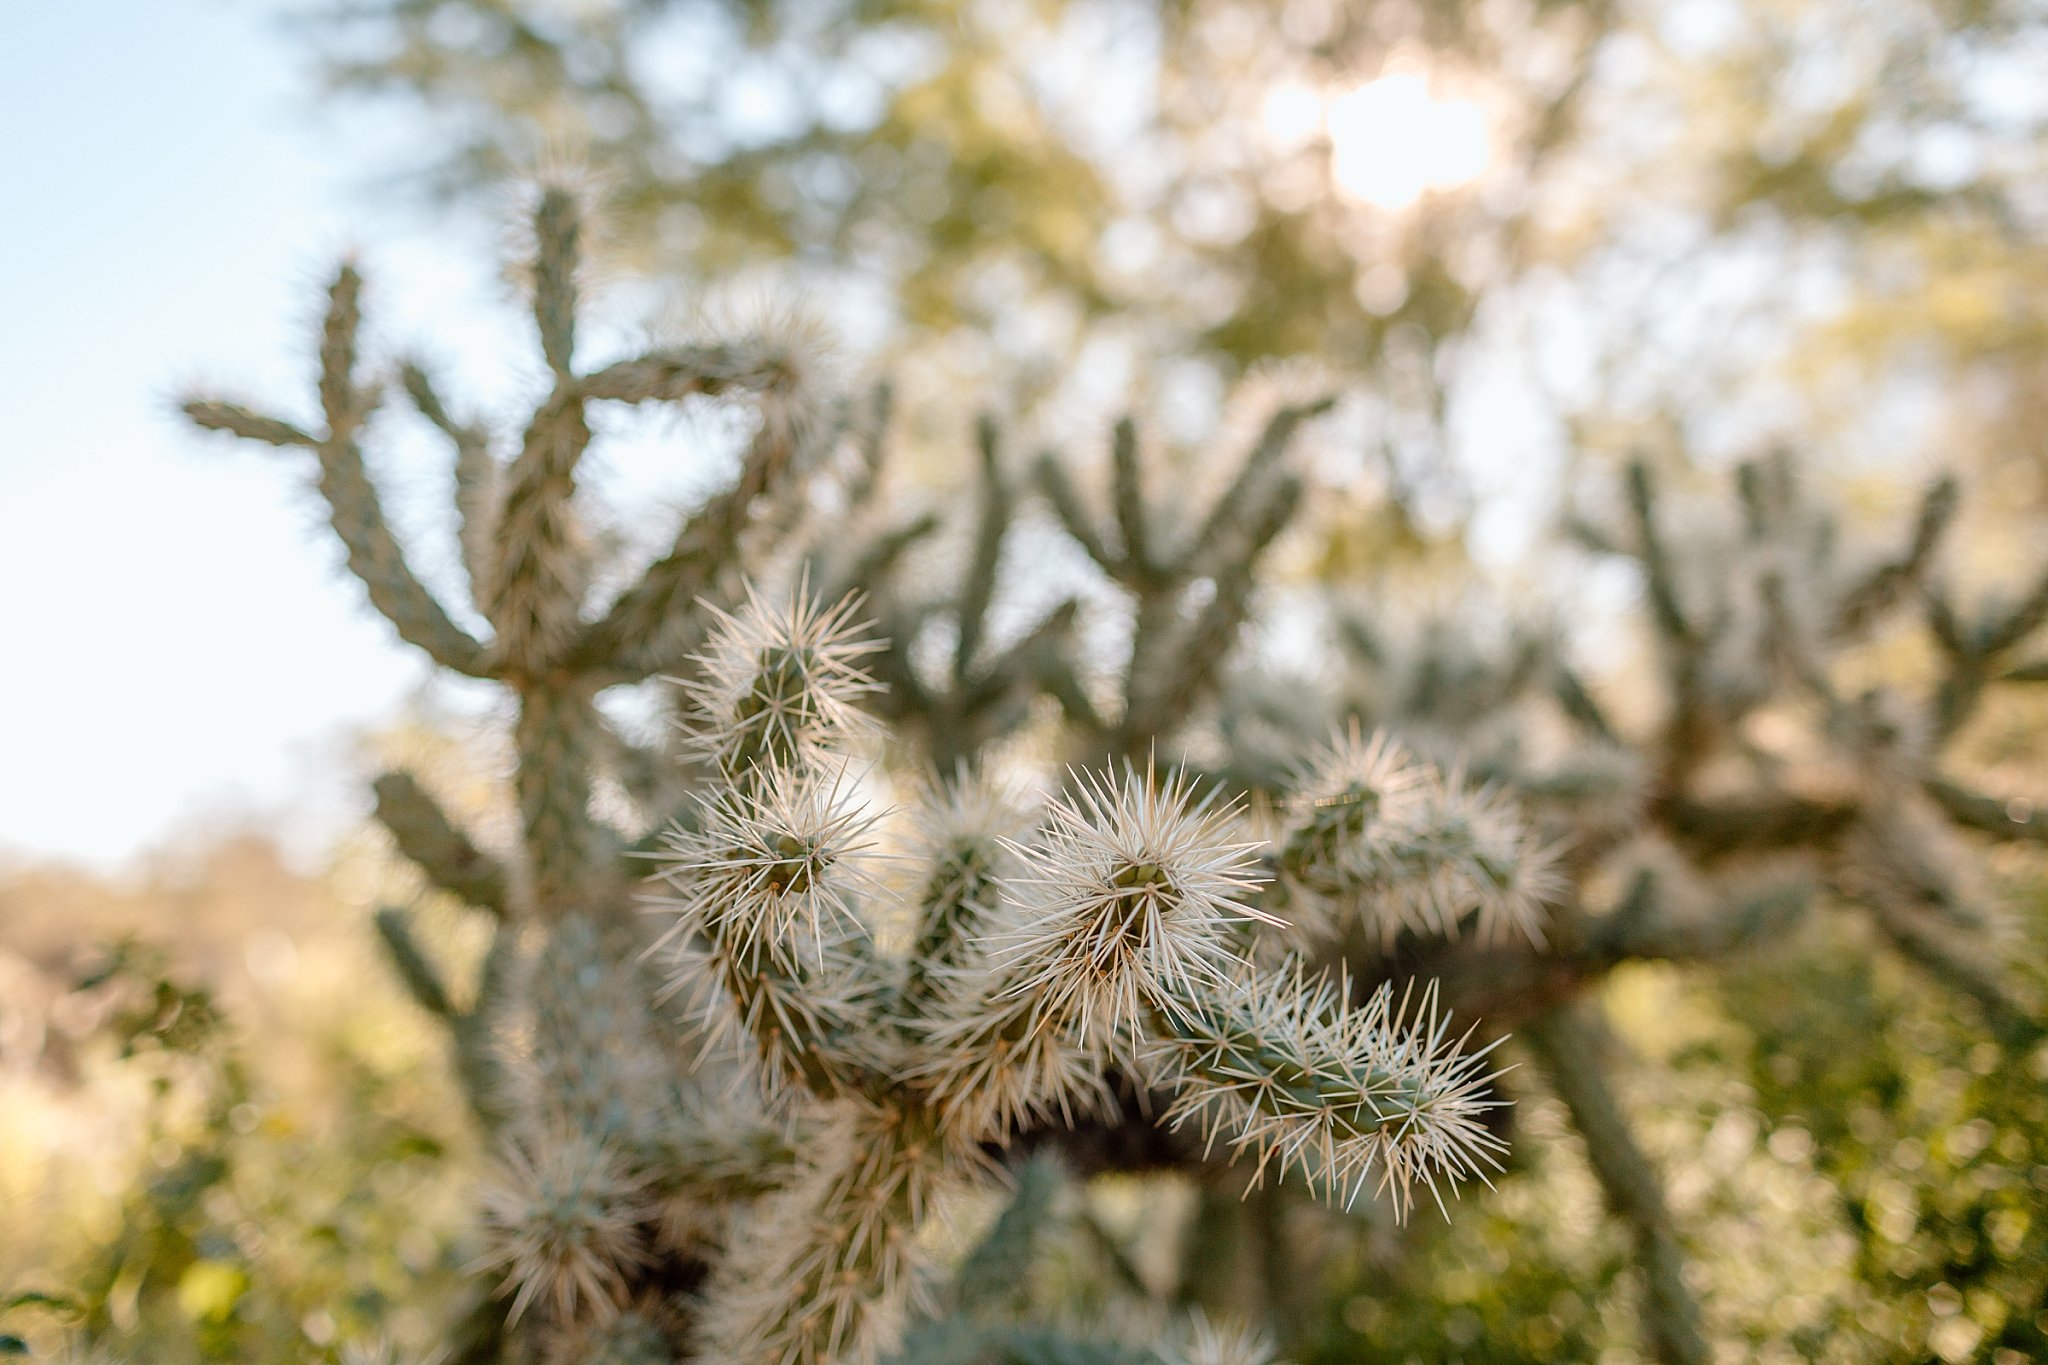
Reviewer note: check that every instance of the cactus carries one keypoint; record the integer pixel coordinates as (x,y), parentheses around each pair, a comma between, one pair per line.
(725,1108)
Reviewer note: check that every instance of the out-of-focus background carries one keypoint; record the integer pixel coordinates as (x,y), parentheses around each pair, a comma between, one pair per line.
(178,194)
(1542,236)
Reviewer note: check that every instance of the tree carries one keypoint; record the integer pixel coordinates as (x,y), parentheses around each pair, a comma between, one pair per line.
(1016,183)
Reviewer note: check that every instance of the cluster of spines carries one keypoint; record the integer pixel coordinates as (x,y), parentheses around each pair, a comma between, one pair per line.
(1128,901)
(566,1219)
(1202,1340)
(1285,1070)
(1114,929)
(767,887)
(1382,839)
(777,685)
(830,1266)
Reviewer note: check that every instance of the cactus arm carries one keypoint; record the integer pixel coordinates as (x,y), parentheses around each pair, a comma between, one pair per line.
(425,834)
(372,551)
(638,634)
(978,586)
(478,476)
(1568,1044)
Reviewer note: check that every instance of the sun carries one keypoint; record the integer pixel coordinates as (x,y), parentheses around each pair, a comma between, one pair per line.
(1394,139)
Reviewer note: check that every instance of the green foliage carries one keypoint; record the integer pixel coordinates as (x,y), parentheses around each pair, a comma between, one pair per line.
(1108,172)
(1931,1134)
(256,1226)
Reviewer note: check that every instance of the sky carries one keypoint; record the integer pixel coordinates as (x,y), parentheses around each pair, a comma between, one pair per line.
(179,645)
(180,648)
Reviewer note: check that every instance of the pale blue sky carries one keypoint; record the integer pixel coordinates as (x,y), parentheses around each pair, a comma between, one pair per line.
(176,644)
(181,645)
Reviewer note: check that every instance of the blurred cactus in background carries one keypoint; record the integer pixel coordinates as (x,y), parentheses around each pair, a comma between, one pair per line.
(1166,906)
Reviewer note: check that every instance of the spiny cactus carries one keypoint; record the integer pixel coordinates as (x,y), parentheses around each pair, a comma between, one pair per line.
(1112,935)
(721,1126)
(1761,786)
(822,1088)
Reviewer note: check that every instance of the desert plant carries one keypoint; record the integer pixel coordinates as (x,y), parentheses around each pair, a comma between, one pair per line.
(724,1125)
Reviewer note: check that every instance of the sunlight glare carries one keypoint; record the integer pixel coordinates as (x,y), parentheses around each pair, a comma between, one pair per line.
(1392,141)
(1292,114)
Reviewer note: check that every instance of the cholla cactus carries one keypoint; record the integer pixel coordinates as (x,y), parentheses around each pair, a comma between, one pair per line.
(566,1221)
(1688,839)
(1111,934)
(1408,849)
(722,1128)
(1202,1342)
(775,1102)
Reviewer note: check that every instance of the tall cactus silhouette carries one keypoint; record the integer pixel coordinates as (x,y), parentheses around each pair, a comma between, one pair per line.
(725,1106)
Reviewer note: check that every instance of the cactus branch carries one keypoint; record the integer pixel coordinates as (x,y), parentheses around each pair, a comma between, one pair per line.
(671,374)
(234,419)
(557,230)
(977,587)
(478,477)
(2012,820)
(558,735)
(1066,504)
(425,834)
(373,552)
(1570,1043)
(638,635)
(1232,513)
(1659,573)
(1129,498)
(535,592)
(421,978)
(1892,581)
